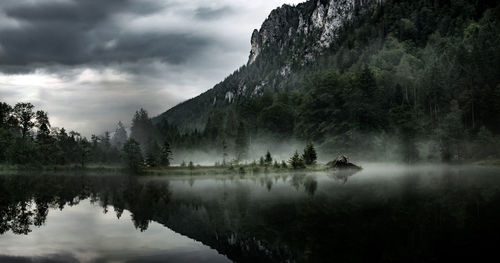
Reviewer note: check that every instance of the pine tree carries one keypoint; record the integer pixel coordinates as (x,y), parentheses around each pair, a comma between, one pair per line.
(44,141)
(309,155)
(153,154)
(296,162)
(166,155)
(120,136)
(84,151)
(269,159)
(133,155)
(142,129)
(43,125)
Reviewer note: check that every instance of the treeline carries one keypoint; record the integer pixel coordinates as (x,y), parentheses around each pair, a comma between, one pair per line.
(27,138)
(153,139)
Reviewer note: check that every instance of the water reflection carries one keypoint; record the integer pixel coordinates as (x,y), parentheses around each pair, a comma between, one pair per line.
(396,214)
(342,176)
(25,200)
(83,233)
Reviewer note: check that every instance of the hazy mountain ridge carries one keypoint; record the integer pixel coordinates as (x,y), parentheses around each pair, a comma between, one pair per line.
(288,40)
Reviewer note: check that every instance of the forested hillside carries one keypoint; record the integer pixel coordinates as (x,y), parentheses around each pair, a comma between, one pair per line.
(361,75)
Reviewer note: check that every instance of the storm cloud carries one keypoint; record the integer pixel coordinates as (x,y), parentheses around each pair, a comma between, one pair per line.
(90,63)
(89,31)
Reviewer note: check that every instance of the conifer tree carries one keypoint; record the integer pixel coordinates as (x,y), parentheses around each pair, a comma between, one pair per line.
(166,154)
(44,141)
(269,159)
(153,154)
(142,129)
(84,151)
(133,155)
(309,155)
(120,136)
(296,162)
(43,125)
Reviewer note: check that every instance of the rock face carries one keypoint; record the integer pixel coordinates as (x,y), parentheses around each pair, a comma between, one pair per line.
(287,27)
(290,39)
(254,53)
(341,162)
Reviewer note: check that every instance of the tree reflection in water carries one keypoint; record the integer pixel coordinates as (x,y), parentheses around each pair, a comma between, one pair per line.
(25,200)
(419,216)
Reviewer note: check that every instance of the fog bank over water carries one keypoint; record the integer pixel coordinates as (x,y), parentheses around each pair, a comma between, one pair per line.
(382,150)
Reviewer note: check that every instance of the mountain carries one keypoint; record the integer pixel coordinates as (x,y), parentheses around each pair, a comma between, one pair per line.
(413,77)
(289,39)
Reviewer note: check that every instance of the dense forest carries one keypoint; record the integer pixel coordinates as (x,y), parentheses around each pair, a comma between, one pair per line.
(412,80)
(27,138)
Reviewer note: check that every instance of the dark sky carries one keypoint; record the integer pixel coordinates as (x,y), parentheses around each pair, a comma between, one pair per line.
(90,63)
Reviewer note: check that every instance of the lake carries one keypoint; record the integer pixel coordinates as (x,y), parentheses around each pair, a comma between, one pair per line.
(384,213)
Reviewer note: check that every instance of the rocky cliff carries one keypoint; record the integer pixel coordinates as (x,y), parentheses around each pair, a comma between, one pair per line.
(322,20)
(290,38)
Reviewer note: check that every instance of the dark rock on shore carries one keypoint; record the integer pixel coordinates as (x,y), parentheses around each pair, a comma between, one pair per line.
(341,162)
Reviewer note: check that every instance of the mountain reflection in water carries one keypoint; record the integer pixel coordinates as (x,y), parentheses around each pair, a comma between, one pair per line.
(379,214)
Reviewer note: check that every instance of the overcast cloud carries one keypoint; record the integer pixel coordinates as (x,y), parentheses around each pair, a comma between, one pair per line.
(90,63)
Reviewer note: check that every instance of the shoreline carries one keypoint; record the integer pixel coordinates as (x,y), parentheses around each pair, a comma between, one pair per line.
(6,169)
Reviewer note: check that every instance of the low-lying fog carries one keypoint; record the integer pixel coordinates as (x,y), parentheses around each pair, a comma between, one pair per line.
(283,151)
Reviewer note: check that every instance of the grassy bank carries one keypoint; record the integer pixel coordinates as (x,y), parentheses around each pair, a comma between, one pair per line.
(218,170)
(489,162)
(164,171)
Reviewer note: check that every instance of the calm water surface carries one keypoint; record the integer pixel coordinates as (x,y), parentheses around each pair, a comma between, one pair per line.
(385,213)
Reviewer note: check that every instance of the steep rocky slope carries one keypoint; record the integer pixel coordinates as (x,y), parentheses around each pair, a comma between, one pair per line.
(290,39)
